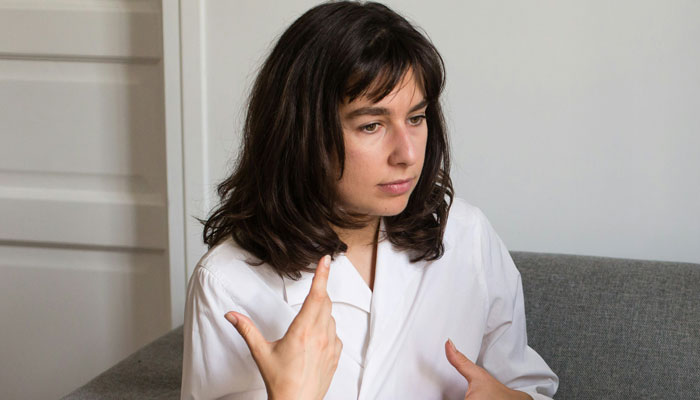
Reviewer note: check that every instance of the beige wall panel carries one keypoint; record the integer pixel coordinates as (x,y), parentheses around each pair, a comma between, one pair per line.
(83,206)
(80,29)
(82,147)
(82,118)
(70,313)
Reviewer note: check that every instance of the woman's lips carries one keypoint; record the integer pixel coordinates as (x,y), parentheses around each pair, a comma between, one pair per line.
(396,187)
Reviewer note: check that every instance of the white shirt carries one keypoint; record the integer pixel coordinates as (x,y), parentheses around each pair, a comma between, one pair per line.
(393,338)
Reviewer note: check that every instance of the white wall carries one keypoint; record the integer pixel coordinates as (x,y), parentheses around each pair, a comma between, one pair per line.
(574,124)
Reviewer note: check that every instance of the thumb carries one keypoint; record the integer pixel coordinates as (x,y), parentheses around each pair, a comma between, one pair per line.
(246,328)
(458,360)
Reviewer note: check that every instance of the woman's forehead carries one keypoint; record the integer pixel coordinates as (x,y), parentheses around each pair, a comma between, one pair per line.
(378,86)
(379,91)
(406,98)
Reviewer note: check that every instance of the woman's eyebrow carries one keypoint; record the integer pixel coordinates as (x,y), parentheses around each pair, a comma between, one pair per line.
(380,110)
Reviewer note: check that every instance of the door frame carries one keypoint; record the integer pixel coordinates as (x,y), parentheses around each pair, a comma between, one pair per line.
(186,143)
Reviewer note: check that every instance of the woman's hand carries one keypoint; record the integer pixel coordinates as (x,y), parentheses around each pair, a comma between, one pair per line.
(482,386)
(301,364)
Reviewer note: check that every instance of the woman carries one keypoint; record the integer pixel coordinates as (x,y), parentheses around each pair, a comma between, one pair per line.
(345,168)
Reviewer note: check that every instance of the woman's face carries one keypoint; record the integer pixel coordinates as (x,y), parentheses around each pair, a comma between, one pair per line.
(384,150)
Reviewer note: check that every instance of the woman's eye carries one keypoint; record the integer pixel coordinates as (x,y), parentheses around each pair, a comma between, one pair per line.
(371,128)
(416,120)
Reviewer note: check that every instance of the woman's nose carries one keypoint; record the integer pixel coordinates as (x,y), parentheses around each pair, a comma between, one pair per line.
(404,150)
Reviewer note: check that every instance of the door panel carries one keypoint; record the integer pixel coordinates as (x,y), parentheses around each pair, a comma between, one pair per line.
(83,206)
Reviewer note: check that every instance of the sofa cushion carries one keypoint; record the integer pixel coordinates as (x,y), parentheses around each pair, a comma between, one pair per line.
(153,372)
(614,328)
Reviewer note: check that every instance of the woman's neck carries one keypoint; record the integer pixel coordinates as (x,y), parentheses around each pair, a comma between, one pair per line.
(359,238)
(362,249)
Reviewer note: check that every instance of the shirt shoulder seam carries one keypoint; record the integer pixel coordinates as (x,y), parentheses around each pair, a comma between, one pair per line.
(222,282)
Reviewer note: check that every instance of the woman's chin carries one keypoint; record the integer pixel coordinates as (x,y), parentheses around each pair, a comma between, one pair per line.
(395,207)
(381,207)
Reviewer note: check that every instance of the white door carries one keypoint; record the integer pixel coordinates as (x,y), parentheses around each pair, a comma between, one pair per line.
(83,206)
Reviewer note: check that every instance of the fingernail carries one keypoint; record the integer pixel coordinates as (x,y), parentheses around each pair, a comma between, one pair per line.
(452,345)
(231,318)
(327,261)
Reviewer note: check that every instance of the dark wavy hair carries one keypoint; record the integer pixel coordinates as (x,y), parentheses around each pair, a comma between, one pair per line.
(280,203)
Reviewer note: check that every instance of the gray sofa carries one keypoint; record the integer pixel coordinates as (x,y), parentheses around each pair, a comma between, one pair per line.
(610,328)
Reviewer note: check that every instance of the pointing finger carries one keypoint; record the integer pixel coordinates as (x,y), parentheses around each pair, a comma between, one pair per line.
(317,299)
(320,282)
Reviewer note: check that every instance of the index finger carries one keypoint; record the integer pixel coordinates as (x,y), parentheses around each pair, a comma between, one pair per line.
(317,297)
(320,281)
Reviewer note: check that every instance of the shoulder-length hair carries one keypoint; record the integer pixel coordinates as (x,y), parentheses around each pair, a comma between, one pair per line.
(280,203)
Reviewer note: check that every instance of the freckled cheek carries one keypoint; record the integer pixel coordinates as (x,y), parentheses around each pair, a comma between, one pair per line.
(361,168)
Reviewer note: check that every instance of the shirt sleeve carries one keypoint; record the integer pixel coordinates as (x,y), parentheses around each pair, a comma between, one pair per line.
(504,352)
(217,363)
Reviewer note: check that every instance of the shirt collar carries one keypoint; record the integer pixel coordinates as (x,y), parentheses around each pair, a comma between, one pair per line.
(345,285)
